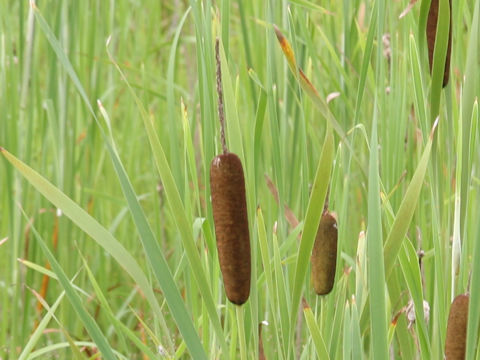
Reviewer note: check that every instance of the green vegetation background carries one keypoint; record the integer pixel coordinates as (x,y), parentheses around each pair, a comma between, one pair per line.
(124,131)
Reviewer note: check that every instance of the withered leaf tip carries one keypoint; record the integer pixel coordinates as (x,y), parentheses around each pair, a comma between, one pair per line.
(279,34)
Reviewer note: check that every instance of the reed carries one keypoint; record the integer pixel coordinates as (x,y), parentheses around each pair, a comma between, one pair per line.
(431,37)
(229,205)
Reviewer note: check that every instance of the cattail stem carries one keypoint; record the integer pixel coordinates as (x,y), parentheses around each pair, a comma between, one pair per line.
(261,352)
(327,197)
(221,114)
(229,207)
(241,332)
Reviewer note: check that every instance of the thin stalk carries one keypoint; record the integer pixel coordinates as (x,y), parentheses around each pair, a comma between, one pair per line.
(241,332)
(26,72)
(221,113)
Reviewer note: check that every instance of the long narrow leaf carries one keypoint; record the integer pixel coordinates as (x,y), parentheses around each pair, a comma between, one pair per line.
(39,330)
(474,305)
(411,270)
(312,220)
(418,87)
(376,274)
(439,57)
(311,91)
(179,214)
(147,237)
(316,335)
(95,332)
(470,93)
(407,208)
(104,238)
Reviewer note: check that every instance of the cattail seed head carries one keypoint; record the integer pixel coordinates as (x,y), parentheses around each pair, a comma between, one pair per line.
(324,254)
(229,206)
(455,343)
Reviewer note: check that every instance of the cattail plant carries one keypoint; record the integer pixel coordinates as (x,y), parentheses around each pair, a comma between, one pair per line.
(227,186)
(455,343)
(431,37)
(324,254)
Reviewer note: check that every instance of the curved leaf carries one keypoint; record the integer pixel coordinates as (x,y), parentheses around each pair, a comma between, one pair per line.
(407,208)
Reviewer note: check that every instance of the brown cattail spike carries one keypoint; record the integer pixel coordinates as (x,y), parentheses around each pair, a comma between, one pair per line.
(324,255)
(455,343)
(229,206)
(431,35)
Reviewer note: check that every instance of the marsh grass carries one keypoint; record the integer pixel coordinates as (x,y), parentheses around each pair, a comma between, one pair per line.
(119,135)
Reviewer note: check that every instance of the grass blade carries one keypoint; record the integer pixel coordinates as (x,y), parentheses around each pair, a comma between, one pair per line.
(149,242)
(418,88)
(87,320)
(474,304)
(409,263)
(470,92)
(407,208)
(310,90)
(312,220)
(39,330)
(375,264)
(439,57)
(120,328)
(316,335)
(91,227)
(181,220)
